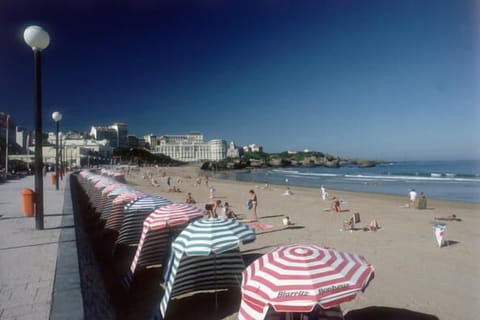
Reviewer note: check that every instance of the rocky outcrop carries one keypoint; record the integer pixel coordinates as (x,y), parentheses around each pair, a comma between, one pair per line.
(366,164)
(333,163)
(284,160)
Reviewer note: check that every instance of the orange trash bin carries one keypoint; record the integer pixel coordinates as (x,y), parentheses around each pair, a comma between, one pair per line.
(28,201)
(52,178)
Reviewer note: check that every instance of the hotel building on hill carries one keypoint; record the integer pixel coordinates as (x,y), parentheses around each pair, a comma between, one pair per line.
(189,148)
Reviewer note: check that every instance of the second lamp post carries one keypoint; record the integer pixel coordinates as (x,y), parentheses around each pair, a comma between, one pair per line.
(56,116)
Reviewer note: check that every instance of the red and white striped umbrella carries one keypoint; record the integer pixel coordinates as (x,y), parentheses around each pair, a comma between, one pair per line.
(159,228)
(98,187)
(296,278)
(108,205)
(106,191)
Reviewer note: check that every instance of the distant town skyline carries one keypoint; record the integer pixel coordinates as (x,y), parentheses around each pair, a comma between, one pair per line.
(389,80)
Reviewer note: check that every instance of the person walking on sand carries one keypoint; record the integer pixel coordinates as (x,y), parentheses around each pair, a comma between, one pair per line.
(413,197)
(324,192)
(253,205)
(335,206)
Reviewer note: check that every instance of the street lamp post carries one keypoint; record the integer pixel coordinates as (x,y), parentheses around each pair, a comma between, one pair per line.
(62,147)
(56,116)
(7,123)
(38,39)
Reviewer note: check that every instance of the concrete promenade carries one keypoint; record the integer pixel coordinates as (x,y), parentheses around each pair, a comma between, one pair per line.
(28,257)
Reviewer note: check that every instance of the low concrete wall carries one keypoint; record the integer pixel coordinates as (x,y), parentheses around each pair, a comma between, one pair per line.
(79,289)
(67,301)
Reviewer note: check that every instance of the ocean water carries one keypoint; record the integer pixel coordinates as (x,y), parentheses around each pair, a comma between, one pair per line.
(445,180)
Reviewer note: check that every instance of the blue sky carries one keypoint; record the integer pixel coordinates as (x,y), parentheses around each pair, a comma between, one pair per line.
(393,80)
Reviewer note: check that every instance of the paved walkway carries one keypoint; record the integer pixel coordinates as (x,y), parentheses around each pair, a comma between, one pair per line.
(28,256)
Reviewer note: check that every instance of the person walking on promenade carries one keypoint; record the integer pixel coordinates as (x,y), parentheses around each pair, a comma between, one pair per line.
(252,205)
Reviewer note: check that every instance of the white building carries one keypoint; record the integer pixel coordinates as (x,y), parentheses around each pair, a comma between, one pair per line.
(252,148)
(233,151)
(116,134)
(189,148)
(75,151)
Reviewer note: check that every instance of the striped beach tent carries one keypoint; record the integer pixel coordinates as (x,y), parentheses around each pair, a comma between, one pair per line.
(84,175)
(297,278)
(97,191)
(115,218)
(159,228)
(205,256)
(105,192)
(135,213)
(90,185)
(110,196)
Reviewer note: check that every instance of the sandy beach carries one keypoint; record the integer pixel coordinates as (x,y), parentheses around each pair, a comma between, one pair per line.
(412,272)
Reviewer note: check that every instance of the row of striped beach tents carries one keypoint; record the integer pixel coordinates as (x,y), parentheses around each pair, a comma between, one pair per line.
(199,254)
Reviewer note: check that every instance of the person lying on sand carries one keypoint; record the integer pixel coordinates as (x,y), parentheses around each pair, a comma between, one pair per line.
(174,189)
(452,217)
(373,226)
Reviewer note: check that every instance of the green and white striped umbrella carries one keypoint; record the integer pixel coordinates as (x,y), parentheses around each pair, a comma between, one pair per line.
(205,256)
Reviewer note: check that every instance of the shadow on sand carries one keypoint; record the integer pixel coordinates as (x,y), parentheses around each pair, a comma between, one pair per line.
(281,229)
(387,313)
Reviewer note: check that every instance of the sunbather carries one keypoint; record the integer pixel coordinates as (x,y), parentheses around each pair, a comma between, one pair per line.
(189,198)
(373,226)
(287,222)
(228,212)
(452,217)
(155,183)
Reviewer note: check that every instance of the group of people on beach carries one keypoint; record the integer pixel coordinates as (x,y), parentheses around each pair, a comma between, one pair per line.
(212,206)
(421,202)
(227,211)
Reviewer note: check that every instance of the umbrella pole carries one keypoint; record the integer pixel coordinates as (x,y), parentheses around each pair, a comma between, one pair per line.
(215,277)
